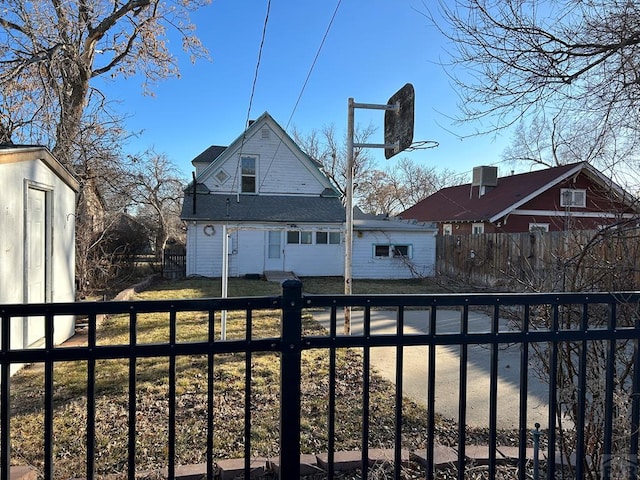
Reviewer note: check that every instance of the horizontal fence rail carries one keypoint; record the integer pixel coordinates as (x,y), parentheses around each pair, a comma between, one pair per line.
(585,344)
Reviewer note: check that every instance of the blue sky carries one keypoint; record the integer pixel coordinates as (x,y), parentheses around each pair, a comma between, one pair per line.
(373,48)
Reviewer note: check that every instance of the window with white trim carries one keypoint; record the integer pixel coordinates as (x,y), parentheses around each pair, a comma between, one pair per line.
(305,238)
(386,250)
(248,169)
(447,229)
(477,228)
(538,227)
(296,237)
(570,197)
(330,238)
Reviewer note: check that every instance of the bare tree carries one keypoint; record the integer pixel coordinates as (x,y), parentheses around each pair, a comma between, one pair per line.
(560,140)
(331,154)
(524,56)
(156,192)
(569,70)
(402,185)
(52,52)
(381,194)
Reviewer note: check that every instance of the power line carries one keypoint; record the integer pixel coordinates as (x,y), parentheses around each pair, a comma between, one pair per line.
(313,64)
(253,89)
(304,85)
(255,76)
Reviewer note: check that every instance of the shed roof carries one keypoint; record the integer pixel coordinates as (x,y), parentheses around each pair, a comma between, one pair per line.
(10,153)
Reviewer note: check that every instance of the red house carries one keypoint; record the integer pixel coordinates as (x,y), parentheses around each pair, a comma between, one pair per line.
(574,196)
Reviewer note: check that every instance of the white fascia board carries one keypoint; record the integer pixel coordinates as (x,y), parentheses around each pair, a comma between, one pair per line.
(571,213)
(537,192)
(265,118)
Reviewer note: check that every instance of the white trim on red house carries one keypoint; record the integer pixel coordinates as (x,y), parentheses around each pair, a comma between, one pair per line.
(511,208)
(572,213)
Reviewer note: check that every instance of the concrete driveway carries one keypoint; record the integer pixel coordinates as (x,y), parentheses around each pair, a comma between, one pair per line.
(415,363)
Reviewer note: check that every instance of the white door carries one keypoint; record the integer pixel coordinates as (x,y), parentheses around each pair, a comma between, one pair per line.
(246,249)
(274,256)
(36,260)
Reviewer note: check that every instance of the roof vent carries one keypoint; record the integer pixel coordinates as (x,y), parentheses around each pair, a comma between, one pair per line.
(485,177)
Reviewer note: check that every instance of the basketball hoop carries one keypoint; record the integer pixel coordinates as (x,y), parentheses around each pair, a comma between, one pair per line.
(422,145)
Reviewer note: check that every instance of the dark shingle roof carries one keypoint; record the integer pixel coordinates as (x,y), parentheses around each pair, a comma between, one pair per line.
(457,204)
(263,208)
(209,155)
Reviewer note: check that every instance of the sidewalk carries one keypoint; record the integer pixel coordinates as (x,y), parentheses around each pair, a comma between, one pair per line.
(415,362)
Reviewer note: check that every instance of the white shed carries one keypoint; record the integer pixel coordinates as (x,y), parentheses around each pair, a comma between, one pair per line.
(37,238)
(392,248)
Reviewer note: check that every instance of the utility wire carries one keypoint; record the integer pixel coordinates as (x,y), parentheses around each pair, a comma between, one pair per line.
(313,64)
(255,76)
(253,89)
(304,85)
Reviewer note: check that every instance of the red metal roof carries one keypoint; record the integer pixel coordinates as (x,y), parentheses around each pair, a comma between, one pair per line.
(462,203)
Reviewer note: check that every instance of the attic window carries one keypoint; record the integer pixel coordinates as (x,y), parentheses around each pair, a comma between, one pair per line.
(573,198)
(222,176)
(265,133)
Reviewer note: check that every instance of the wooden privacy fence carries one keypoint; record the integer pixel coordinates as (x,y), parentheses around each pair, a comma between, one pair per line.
(543,261)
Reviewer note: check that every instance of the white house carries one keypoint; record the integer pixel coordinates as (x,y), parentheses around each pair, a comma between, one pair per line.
(37,238)
(281,213)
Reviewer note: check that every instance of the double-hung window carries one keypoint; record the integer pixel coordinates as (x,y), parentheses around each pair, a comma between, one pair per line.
(248,169)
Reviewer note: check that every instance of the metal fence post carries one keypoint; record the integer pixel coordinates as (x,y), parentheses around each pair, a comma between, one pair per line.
(290,373)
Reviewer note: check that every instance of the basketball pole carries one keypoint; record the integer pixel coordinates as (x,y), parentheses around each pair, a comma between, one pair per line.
(348,237)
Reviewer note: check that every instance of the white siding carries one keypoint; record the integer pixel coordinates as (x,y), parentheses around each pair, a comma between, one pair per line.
(366,265)
(14,180)
(279,169)
(204,253)
(248,250)
(315,260)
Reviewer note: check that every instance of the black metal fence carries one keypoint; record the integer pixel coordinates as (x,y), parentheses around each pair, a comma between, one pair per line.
(587,345)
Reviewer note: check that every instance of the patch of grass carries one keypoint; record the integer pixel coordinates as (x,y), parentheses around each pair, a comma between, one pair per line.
(112,391)
(329,285)
(201,287)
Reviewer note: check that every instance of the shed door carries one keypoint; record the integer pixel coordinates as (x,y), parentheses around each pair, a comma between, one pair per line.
(36,260)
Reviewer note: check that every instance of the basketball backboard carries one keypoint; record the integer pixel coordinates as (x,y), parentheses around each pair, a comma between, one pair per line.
(398,124)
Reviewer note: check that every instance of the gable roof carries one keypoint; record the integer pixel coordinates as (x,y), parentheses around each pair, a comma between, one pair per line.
(217,155)
(209,155)
(457,204)
(10,153)
(263,208)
